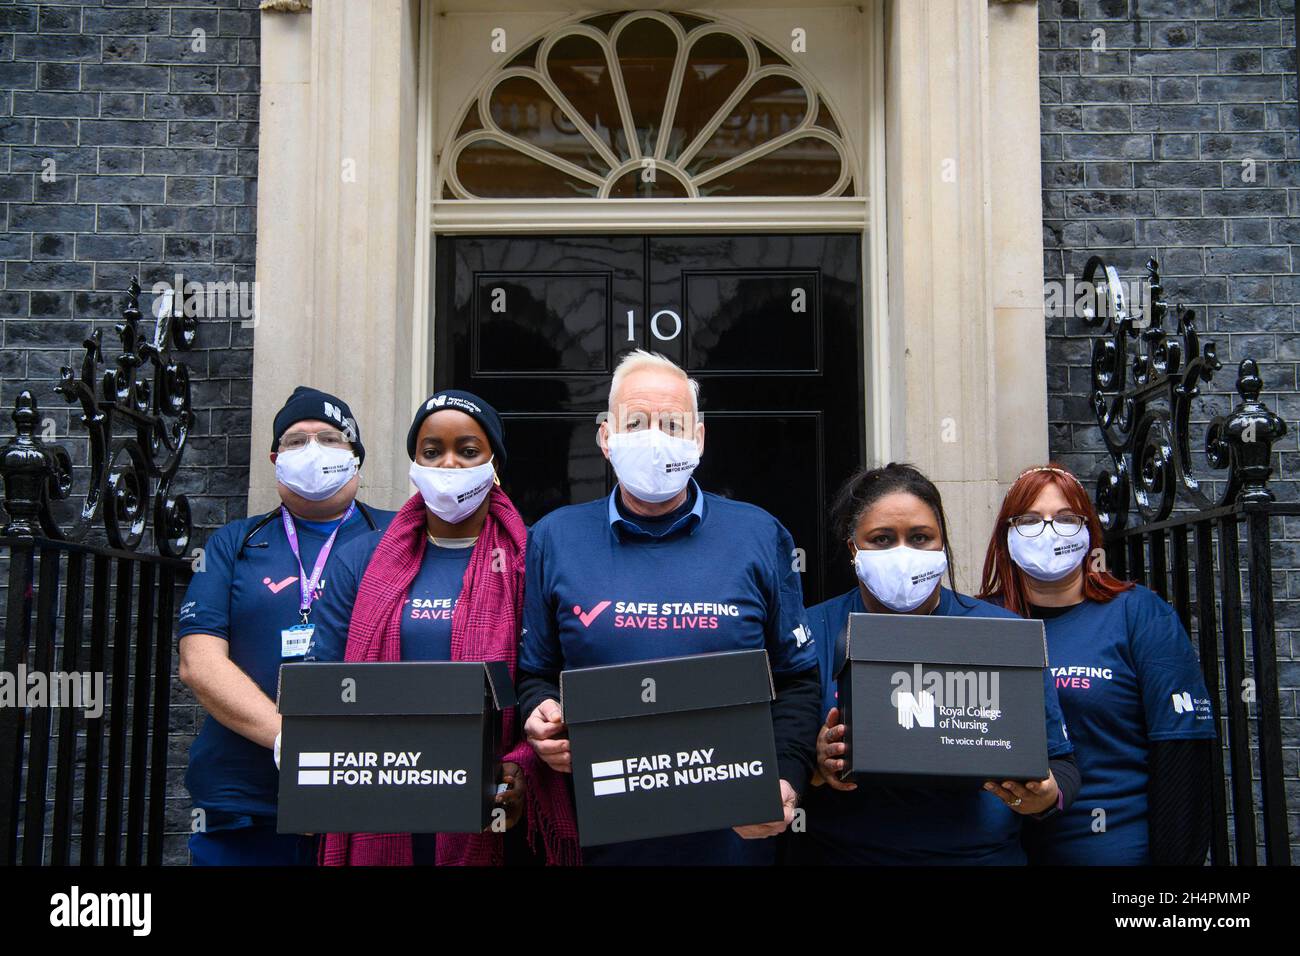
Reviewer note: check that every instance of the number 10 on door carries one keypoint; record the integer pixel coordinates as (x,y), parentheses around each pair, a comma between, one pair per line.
(668,315)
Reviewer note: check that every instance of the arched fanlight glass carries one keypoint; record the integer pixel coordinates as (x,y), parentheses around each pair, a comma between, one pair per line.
(647,105)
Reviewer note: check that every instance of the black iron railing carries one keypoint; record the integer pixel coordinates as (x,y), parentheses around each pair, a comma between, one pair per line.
(88,785)
(1193,558)
(87,657)
(1195,562)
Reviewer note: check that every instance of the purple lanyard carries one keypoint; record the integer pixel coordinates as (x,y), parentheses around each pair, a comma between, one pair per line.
(307,586)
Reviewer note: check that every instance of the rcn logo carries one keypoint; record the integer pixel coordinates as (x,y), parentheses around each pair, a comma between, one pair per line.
(915,708)
(1183,703)
(335,413)
(452,401)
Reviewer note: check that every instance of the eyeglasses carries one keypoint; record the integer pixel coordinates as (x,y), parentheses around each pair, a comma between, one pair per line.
(673,424)
(1031,526)
(294,441)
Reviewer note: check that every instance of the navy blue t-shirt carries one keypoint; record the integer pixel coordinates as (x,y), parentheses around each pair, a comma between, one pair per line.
(882,825)
(426,616)
(1127,675)
(247,601)
(598,591)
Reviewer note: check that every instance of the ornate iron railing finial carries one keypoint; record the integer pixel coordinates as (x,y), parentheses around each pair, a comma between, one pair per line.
(1243,440)
(148,393)
(34,474)
(1143,405)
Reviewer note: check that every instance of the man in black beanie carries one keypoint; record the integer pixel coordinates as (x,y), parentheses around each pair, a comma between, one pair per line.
(248,610)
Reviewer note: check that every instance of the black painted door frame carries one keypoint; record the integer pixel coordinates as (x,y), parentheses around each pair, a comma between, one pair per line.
(771,325)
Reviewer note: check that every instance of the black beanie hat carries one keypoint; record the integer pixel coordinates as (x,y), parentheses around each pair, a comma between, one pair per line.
(471,405)
(311,403)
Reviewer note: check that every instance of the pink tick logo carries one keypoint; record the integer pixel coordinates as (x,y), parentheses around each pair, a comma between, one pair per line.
(591,615)
(275,587)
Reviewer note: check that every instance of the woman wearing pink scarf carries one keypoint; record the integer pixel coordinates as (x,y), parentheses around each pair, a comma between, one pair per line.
(446,582)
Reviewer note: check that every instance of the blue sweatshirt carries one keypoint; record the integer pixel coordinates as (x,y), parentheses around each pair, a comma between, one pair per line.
(246,594)
(1127,676)
(602,590)
(880,825)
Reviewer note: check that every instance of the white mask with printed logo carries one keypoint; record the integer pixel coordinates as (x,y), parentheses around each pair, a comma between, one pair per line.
(1047,556)
(652,466)
(453,494)
(314,472)
(901,578)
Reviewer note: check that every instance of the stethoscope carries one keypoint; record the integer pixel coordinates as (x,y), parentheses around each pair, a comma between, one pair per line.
(271,516)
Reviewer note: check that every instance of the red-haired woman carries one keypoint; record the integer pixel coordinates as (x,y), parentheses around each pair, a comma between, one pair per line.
(1129,683)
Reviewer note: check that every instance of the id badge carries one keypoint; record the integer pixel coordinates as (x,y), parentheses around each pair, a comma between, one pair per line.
(295,640)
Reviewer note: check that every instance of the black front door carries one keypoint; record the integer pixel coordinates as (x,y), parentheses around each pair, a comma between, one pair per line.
(770,325)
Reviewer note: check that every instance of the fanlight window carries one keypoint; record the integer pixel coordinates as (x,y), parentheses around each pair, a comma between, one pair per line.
(647,105)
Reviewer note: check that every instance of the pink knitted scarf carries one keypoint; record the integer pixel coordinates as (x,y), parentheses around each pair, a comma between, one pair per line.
(484,627)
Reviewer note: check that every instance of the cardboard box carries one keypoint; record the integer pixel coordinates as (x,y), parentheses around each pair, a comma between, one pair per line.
(390,747)
(928,699)
(664,747)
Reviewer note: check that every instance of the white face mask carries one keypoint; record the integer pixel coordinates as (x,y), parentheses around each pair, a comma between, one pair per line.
(901,578)
(453,494)
(651,465)
(314,472)
(1048,556)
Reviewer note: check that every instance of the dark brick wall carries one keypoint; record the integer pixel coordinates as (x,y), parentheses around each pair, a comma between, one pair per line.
(154,150)
(1143,149)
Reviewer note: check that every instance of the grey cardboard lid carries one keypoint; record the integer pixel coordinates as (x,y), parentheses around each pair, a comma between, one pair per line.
(407,688)
(501,684)
(697,682)
(934,639)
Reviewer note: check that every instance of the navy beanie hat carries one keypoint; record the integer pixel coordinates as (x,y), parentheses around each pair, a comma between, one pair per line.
(471,405)
(311,403)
